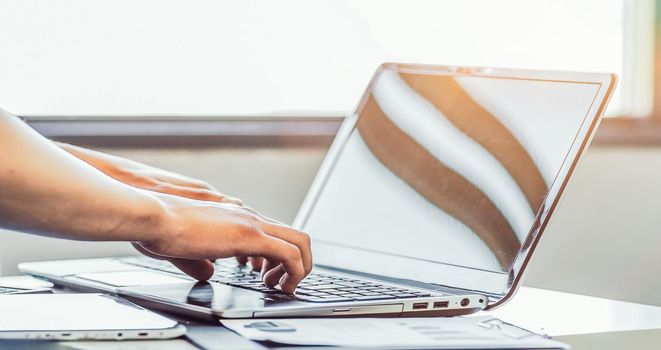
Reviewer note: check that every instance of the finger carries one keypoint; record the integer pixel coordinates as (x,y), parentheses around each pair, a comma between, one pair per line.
(181,191)
(178,179)
(290,259)
(232,200)
(201,270)
(202,194)
(242,260)
(257,214)
(284,232)
(256,262)
(267,266)
(189,192)
(146,252)
(277,250)
(273,276)
(301,240)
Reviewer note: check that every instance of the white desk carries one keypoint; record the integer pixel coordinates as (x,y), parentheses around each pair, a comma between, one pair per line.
(584,322)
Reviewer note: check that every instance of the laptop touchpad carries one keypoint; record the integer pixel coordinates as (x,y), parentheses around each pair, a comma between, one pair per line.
(131,278)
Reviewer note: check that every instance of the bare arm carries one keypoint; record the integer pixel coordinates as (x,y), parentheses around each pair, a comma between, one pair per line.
(47,191)
(146,177)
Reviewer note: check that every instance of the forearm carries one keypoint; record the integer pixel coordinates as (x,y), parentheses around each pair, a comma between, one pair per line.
(94,158)
(47,191)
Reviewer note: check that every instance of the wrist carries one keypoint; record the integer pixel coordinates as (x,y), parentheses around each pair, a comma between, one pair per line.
(151,218)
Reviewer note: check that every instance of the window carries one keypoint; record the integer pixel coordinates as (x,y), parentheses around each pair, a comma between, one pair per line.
(291,57)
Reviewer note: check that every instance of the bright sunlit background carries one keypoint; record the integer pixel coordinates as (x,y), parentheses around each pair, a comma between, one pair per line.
(158,57)
(126,58)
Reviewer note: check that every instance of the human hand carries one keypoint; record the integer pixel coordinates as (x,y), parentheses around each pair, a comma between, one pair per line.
(192,232)
(158,180)
(149,178)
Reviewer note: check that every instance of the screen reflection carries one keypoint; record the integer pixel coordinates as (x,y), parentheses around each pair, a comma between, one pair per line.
(449,169)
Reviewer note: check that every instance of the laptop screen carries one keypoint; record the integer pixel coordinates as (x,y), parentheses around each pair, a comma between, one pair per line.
(448,169)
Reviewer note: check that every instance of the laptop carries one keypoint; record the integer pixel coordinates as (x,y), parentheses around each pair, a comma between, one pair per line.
(430,201)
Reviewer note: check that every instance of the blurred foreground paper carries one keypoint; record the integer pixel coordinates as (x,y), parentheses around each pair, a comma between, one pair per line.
(437,333)
(24,282)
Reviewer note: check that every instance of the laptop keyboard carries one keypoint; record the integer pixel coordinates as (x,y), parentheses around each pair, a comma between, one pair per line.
(316,287)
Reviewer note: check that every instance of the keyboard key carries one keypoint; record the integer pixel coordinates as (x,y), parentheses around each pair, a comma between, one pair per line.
(339,292)
(349,284)
(373,297)
(405,295)
(248,284)
(382,290)
(332,299)
(371,287)
(352,295)
(322,287)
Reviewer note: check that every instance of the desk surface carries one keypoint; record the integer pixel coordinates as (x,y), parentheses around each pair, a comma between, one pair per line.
(581,321)
(564,314)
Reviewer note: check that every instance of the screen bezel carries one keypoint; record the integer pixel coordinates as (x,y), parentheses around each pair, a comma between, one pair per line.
(500,286)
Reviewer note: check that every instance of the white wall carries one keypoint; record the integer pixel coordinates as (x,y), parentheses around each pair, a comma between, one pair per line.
(604,240)
(82,57)
(606,237)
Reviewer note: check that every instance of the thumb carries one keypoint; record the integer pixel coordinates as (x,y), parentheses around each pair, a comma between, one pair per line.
(201,270)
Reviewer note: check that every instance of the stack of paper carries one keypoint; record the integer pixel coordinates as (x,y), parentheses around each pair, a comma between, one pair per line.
(438,333)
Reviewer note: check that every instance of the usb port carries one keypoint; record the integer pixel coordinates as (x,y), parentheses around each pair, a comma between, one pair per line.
(420,306)
(441,304)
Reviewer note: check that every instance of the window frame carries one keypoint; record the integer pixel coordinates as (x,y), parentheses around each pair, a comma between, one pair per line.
(188,131)
(635,130)
(265,132)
